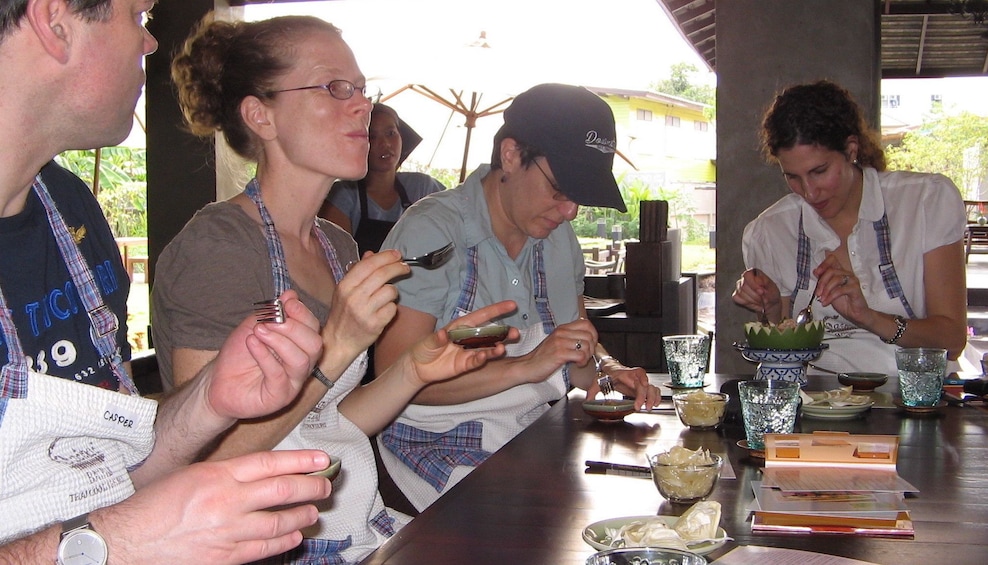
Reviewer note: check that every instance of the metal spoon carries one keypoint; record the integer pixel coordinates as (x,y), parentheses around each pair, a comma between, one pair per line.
(762,317)
(805,315)
(432,259)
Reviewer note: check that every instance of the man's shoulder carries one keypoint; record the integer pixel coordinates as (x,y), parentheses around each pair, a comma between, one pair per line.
(64,185)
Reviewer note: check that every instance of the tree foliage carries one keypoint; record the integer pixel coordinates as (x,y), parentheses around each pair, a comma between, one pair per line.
(680,84)
(122,185)
(954,146)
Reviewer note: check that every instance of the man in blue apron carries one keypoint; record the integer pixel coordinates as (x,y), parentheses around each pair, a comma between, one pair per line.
(90,468)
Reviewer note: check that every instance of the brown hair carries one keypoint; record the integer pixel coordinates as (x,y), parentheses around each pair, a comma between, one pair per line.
(221,63)
(821,113)
(12,11)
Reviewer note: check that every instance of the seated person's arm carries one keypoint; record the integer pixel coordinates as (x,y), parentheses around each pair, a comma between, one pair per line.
(945,289)
(248,436)
(259,370)
(215,513)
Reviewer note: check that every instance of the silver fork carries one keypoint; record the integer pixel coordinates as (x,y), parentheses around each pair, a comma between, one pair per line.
(269,311)
(605,382)
(432,259)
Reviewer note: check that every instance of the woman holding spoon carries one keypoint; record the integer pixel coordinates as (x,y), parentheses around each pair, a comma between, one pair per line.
(879,251)
(287,93)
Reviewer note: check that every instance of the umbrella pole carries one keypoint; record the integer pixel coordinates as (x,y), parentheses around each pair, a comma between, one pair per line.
(466,150)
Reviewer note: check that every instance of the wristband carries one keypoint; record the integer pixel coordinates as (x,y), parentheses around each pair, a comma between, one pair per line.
(319,376)
(900,328)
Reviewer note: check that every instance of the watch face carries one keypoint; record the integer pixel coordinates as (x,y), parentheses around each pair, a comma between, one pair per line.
(82,547)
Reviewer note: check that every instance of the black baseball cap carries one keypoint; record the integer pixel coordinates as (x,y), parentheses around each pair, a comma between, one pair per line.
(574,129)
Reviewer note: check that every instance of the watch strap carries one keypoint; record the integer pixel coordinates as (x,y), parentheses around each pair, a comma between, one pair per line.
(77,523)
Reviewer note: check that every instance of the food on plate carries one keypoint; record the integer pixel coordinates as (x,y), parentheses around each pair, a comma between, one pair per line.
(699,522)
(698,525)
(644,533)
(837,397)
(683,475)
(699,409)
(784,335)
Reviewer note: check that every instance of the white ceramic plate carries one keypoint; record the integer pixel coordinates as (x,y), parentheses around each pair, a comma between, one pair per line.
(598,531)
(828,412)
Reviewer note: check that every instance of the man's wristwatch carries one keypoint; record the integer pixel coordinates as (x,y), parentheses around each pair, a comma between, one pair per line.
(80,544)
(900,328)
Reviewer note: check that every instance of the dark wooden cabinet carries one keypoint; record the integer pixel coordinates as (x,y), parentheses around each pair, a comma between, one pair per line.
(636,340)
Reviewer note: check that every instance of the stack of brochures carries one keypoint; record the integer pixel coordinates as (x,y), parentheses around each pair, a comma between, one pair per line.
(832,483)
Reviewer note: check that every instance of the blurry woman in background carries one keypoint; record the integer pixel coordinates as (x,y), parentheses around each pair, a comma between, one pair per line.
(369,208)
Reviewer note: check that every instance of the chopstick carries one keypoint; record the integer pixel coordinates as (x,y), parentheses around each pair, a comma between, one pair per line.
(607,468)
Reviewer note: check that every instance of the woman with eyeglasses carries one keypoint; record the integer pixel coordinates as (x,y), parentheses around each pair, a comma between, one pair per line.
(287,93)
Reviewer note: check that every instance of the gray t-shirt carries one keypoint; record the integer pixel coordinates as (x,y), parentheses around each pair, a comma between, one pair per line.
(209,276)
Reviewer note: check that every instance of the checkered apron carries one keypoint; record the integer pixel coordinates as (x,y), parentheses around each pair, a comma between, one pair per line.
(66,448)
(430,448)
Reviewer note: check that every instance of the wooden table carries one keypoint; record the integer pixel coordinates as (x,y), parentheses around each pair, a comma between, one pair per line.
(529,503)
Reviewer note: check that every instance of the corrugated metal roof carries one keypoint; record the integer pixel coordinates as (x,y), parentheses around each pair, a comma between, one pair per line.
(920,38)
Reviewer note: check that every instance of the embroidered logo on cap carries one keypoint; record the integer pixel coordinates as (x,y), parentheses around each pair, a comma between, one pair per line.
(601,144)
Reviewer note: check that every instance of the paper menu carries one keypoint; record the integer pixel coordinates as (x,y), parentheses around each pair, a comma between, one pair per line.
(831,449)
(834,479)
(875,505)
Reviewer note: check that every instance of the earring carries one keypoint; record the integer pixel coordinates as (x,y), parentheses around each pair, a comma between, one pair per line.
(504,178)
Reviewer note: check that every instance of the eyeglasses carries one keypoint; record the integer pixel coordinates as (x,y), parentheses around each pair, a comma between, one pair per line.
(558,193)
(339,89)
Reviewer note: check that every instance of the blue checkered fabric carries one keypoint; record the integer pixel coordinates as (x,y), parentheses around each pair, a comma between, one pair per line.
(432,455)
(312,552)
(889,277)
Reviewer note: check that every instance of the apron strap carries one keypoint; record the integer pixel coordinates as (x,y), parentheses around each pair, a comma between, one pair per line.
(276,251)
(889,277)
(103,321)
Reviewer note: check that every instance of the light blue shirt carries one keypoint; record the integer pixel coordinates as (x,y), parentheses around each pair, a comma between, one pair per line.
(460,215)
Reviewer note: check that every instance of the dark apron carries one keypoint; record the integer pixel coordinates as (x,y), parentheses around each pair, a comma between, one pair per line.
(371,233)
(369,237)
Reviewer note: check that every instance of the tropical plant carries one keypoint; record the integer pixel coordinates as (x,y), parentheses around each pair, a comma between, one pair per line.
(122,190)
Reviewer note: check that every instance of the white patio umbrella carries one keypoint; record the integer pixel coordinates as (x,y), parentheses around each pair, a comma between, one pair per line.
(470,80)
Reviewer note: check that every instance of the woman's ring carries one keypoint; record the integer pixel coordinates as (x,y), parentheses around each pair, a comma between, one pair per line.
(579,344)
(844,280)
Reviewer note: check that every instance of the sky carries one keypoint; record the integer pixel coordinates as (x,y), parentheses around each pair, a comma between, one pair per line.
(627,44)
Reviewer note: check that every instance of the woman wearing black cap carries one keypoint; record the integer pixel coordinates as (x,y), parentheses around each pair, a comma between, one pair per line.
(369,208)
(510,223)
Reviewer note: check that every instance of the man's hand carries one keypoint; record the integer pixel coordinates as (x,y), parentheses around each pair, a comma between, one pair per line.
(262,366)
(232,511)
